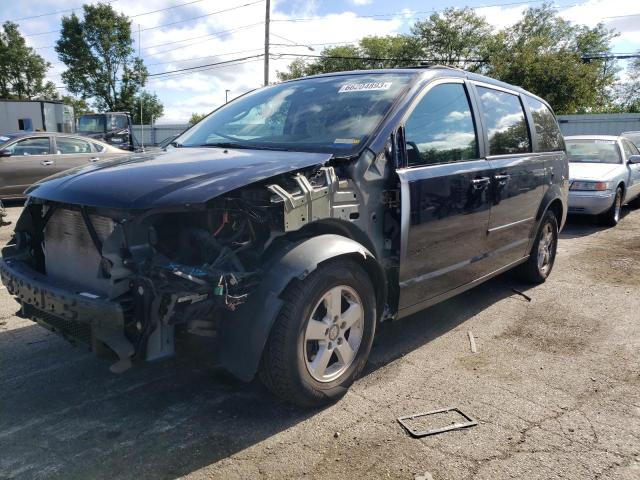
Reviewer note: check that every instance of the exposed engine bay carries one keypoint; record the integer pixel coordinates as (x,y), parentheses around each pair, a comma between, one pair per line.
(185,267)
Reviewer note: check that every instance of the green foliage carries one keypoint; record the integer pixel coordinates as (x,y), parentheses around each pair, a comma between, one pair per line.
(196,117)
(152,109)
(628,92)
(22,70)
(401,49)
(452,37)
(543,53)
(80,106)
(98,52)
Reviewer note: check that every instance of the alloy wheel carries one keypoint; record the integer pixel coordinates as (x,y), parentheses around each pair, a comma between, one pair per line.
(333,334)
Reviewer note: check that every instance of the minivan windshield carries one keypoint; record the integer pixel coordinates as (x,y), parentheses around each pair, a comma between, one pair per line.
(91,123)
(593,151)
(328,114)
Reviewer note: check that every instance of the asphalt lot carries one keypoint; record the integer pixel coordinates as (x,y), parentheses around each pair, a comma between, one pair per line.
(555,386)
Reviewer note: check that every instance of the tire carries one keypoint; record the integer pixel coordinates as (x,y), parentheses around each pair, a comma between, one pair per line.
(611,217)
(543,253)
(292,363)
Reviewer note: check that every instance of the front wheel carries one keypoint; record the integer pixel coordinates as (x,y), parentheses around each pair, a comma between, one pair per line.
(612,216)
(543,253)
(321,339)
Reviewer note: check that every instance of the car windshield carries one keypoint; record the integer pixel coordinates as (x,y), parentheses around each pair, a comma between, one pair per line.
(634,137)
(329,114)
(91,123)
(593,151)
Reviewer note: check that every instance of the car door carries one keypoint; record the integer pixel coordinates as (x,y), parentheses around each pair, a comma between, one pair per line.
(518,174)
(633,188)
(445,195)
(30,160)
(73,152)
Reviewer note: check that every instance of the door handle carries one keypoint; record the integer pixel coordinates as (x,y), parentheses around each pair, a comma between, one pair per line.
(46,162)
(480,182)
(502,179)
(94,159)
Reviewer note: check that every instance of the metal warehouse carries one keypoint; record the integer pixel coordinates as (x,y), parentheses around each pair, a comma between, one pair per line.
(32,115)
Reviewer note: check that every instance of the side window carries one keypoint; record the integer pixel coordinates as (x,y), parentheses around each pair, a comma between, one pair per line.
(505,122)
(440,129)
(71,146)
(30,146)
(629,149)
(549,137)
(99,147)
(121,122)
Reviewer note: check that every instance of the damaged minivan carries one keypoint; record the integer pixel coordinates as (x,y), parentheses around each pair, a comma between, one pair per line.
(292,220)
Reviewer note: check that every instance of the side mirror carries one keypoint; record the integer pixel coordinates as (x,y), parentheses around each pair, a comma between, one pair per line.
(7,153)
(633,159)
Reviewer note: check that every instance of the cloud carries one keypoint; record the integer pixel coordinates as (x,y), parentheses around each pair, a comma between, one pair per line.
(361,2)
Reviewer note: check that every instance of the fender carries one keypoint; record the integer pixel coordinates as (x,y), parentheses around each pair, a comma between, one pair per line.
(244,332)
(554,192)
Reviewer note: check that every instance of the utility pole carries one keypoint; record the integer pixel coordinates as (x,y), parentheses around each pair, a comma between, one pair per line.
(267,18)
(141,119)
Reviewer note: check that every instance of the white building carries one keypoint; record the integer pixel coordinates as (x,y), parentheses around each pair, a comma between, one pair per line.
(16,115)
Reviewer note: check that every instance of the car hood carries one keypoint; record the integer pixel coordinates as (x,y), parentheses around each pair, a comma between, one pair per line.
(175,177)
(592,171)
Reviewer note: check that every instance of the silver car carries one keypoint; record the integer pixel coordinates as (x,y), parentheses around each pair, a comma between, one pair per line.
(604,174)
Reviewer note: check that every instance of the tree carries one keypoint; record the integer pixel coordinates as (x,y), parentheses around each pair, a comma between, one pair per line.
(22,70)
(370,52)
(196,117)
(99,56)
(152,109)
(79,105)
(628,92)
(544,54)
(454,37)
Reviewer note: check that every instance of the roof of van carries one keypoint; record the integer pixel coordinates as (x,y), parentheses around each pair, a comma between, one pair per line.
(433,71)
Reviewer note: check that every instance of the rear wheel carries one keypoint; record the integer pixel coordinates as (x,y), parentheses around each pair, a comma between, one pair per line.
(543,253)
(612,216)
(321,339)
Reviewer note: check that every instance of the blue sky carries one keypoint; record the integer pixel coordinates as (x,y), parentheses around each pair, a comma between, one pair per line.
(236,32)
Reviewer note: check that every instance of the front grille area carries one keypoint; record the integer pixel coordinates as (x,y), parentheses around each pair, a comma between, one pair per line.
(75,332)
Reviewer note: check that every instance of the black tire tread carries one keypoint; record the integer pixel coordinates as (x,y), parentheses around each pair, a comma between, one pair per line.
(528,271)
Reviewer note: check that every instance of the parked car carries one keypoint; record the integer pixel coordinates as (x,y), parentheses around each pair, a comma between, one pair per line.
(293,219)
(604,173)
(633,136)
(27,157)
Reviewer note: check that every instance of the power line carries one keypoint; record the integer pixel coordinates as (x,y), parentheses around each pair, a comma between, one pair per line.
(212,67)
(164,24)
(132,16)
(54,13)
(206,65)
(202,16)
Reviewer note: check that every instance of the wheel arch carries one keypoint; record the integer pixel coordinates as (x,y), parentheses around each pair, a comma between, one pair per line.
(244,334)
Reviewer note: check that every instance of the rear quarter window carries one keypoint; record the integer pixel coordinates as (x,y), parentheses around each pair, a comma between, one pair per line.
(547,131)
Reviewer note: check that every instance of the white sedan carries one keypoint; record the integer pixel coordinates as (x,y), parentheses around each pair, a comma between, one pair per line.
(604,174)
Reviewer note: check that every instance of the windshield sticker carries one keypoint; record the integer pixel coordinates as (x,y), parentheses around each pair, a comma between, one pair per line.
(364,87)
(4,139)
(347,141)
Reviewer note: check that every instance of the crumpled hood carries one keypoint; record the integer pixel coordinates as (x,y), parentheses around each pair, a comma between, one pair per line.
(175,177)
(592,171)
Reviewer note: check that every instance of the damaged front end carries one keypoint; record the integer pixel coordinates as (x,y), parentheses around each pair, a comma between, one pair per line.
(130,280)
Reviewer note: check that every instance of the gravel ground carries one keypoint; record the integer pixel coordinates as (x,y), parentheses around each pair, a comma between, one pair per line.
(554,385)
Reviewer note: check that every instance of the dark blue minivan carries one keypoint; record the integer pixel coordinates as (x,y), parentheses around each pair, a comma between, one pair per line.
(289,222)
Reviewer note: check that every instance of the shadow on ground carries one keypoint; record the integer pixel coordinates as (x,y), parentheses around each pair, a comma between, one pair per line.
(65,416)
